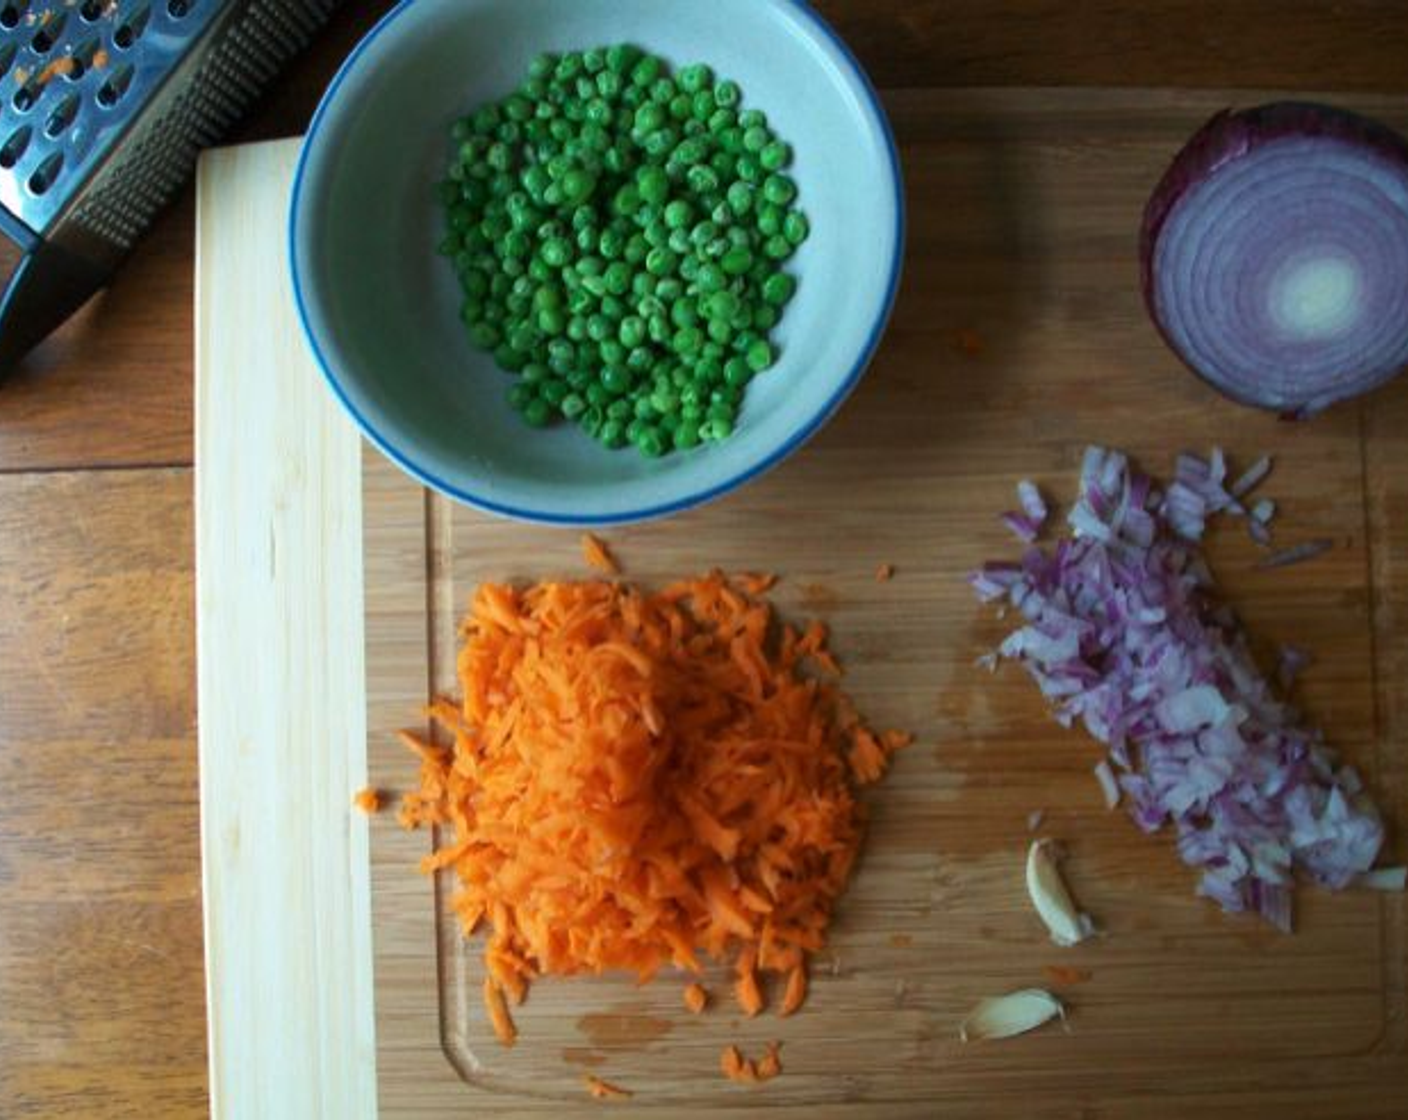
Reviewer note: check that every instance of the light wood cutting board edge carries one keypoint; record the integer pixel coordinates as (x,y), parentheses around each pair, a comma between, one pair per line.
(285,863)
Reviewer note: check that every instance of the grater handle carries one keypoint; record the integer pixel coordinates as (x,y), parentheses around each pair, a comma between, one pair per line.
(47,287)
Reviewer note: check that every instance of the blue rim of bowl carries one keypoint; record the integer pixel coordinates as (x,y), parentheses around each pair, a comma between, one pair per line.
(784,450)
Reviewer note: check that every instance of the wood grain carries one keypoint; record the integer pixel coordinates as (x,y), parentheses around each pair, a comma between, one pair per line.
(282,731)
(101,1008)
(1022,207)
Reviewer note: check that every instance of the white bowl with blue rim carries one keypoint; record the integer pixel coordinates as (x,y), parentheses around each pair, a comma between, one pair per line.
(381,308)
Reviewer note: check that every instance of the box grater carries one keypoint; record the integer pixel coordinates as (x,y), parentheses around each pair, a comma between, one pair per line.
(104,105)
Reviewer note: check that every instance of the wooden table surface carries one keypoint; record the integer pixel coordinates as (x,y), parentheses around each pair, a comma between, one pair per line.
(101,1004)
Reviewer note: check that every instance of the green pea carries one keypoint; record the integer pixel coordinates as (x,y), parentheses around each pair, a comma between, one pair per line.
(686,436)
(775,156)
(778,248)
(759,356)
(678,214)
(556,252)
(613,434)
(766,317)
(536,413)
(770,219)
(779,288)
(756,139)
(617,278)
(779,190)
(632,332)
(615,379)
(661,262)
(727,94)
(736,261)
(687,340)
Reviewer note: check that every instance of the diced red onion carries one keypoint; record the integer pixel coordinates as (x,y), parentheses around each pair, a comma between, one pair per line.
(1383,879)
(1298,553)
(1251,478)
(1274,255)
(1033,504)
(1025,527)
(1122,631)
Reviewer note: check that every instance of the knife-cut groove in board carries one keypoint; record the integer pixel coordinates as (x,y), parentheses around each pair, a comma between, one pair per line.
(281,676)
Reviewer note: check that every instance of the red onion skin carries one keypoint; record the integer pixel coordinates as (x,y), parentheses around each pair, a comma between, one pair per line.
(1227,136)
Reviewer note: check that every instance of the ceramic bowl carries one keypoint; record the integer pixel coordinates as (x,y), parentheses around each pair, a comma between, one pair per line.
(381,308)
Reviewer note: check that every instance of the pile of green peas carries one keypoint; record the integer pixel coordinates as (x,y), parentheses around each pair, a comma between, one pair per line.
(619,232)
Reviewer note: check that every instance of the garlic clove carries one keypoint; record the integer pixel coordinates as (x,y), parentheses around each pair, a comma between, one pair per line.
(1052,899)
(1009,1015)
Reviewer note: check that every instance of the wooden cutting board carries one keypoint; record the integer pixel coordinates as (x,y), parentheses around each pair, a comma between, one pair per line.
(1018,339)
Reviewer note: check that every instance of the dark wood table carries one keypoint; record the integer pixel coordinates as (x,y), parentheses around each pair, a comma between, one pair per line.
(101,992)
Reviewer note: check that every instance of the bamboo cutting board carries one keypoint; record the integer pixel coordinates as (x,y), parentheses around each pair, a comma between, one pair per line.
(1019,338)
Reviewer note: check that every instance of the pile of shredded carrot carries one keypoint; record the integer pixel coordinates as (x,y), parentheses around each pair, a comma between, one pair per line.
(748,1071)
(637,779)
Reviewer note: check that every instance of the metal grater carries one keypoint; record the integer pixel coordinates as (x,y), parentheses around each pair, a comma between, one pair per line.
(104,105)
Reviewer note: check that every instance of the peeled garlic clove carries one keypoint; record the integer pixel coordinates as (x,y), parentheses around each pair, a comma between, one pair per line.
(1052,900)
(1012,1014)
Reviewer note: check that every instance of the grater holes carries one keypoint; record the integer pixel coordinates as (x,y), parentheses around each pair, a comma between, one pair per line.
(7,56)
(111,91)
(49,33)
(10,13)
(91,11)
(13,149)
(62,116)
(131,28)
(179,9)
(26,96)
(81,59)
(46,173)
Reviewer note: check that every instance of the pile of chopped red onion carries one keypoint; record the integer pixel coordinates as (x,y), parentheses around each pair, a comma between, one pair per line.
(1124,632)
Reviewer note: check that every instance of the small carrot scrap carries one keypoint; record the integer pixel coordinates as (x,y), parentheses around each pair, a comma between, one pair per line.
(796,992)
(696,998)
(748,1071)
(736,1067)
(884,573)
(498,1012)
(637,780)
(604,1090)
(1067,974)
(770,1064)
(368,800)
(745,989)
(598,556)
(757,583)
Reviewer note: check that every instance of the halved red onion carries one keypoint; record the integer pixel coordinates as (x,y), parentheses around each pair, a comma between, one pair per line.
(1274,255)
(1122,630)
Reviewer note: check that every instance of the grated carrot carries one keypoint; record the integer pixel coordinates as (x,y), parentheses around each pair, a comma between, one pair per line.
(368,800)
(696,998)
(604,1090)
(884,573)
(770,1064)
(498,1012)
(745,989)
(598,556)
(736,1067)
(638,780)
(796,992)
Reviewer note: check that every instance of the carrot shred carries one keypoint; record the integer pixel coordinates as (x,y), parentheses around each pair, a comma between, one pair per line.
(745,989)
(748,1071)
(770,1064)
(696,998)
(598,555)
(498,1012)
(796,992)
(884,573)
(640,779)
(604,1090)
(736,1067)
(1067,974)
(368,800)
